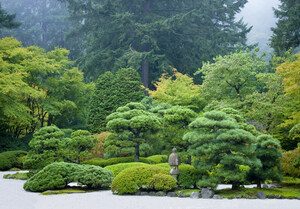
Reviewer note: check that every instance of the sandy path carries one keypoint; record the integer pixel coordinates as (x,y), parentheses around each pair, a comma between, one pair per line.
(14,197)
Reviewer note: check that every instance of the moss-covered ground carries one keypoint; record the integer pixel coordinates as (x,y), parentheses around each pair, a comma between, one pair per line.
(20,176)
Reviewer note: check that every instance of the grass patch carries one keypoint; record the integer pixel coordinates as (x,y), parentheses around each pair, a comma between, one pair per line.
(63,191)
(290,180)
(19,176)
(187,191)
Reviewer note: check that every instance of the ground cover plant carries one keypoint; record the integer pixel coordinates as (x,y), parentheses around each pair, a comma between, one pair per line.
(58,175)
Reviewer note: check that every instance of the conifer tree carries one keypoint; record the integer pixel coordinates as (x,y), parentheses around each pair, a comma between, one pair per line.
(7,20)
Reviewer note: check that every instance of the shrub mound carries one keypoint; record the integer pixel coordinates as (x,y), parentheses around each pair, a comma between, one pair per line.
(130,180)
(12,159)
(155,159)
(290,163)
(117,168)
(188,176)
(58,175)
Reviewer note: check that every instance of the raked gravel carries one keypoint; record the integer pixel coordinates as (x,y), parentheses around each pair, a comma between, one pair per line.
(14,197)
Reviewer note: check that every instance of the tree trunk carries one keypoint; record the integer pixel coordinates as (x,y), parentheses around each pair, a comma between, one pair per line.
(137,153)
(235,185)
(258,183)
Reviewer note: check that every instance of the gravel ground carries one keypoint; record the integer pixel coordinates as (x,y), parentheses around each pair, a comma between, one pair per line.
(14,197)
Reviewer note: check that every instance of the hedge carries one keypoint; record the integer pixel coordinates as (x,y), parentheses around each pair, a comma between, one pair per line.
(290,163)
(117,168)
(58,175)
(130,180)
(12,159)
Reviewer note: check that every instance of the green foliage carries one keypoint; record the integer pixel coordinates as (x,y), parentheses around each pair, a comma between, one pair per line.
(112,161)
(220,149)
(47,147)
(19,176)
(188,175)
(7,20)
(267,151)
(80,145)
(58,175)
(132,179)
(117,168)
(131,124)
(290,163)
(111,92)
(286,33)
(11,159)
(155,159)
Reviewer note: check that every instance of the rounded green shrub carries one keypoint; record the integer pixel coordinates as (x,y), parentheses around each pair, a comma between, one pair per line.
(130,180)
(290,163)
(117,168)
(163,182)
(155,159)
(188,175)
(11,159)
(58,175)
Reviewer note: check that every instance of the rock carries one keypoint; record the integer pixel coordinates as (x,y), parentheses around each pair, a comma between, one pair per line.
(298,198)
(151,193)
(171,194)
(160,194)
(265,186)
(261,195)
(207,193)
(218,197)
(194,195)
(115,192)
(273,186)
(238,196)
(279,197)
(181,194)
(138,193)
(144,193)
(271,196)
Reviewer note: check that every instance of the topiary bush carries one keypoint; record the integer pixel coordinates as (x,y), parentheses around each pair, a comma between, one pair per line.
(58,175)
(290,163)
(111,161)
(163,182)
(155,159)
(188,176)
(117,168)
(11,159)
(130,180)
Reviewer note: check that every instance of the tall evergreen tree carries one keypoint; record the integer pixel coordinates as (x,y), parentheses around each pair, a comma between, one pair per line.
(7,20)
(111,92)
(286,34)
(150,35)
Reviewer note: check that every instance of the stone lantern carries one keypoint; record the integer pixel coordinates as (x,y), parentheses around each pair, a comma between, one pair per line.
(174,162)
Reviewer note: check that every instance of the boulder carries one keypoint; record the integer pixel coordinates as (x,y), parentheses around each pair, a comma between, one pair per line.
(261,195)
(265,186)
(160,194)
(279,197)
(218,197)
(151,193)
(207,193)
(238,196)
(171,194)
(138,193)
(194,195)
(144,193)
(271,196)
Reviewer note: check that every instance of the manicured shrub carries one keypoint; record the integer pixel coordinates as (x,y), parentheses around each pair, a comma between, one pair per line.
(11,159)
(117,168)
(155,159)
(111,161)
(188,176)
(132,179)
(58,175)
(290,163)
(163,182)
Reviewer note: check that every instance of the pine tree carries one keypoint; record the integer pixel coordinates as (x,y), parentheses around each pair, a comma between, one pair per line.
(7,20)
(220,149)
(286,34)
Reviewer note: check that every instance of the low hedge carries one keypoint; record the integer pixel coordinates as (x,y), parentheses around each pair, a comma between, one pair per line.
(12,159)
(58,175)
(130,180)
(155,159)
(111,161)
(117,168)
(188,175)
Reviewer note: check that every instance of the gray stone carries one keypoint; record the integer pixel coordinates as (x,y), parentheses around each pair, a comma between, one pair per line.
(238,196)
(298,198)
(171,194)
(138,193)
(144,193)
(279,197)
(160,194)
(151,193)
(207,193)
(265,186)
(273,186)
(218,197)
(181,194)
(115,192)
(195,195)
(261,195)
(271,196)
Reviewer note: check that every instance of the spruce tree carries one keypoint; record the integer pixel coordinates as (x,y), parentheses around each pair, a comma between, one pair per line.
(111,92)
(286,34)
(220,149)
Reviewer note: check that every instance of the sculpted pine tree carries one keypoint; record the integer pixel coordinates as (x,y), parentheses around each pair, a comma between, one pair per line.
(221,150)
(130,125)
(267,151)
